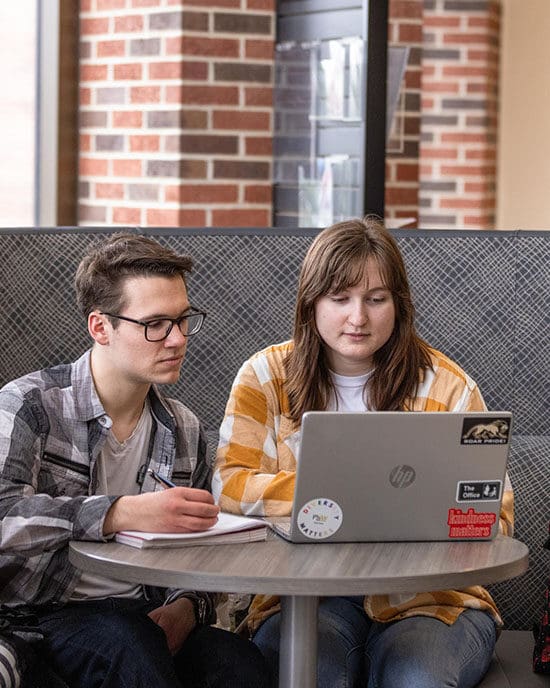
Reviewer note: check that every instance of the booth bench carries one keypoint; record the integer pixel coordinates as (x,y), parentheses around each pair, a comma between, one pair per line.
(482,297)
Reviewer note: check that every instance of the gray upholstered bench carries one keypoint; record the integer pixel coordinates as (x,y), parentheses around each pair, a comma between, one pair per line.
(482,297)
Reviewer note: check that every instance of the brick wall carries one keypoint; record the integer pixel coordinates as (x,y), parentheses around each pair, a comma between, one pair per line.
(176,115)
(175,112)
(402,155)
(459,113)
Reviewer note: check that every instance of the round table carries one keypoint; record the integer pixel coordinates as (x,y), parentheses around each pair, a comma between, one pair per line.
(302,573)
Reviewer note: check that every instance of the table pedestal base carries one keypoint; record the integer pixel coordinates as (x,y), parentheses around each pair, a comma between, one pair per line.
(298,648)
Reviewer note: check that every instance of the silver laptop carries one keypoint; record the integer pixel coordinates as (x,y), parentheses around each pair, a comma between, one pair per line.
(387,476)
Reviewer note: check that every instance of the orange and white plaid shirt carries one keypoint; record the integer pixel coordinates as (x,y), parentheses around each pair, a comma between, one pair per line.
(256,464)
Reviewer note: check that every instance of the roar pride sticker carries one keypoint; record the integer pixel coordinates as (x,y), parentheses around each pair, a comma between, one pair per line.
(470,524)
(319,518)
(485,431)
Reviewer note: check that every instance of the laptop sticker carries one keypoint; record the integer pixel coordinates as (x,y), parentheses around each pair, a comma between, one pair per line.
(470,524)
(319,518)
(485,431)
(478,490)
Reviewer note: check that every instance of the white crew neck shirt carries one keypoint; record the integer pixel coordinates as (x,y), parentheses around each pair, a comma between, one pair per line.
(350,395)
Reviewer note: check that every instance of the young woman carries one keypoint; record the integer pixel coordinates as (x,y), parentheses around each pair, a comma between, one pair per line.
(354,348)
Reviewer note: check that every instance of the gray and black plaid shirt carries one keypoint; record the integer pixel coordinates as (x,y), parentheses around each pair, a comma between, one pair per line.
(52,429)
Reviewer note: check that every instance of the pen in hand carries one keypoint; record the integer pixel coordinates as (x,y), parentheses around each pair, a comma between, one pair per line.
(162,481)
(199,508)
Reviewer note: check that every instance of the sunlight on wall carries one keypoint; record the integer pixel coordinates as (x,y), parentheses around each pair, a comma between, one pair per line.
(18,22)
(524,140)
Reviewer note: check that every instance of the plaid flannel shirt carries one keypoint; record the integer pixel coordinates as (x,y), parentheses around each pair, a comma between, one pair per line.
(52,429)
(256,464)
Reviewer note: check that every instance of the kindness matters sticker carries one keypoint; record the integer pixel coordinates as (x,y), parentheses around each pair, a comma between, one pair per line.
(470,524)
(319,518)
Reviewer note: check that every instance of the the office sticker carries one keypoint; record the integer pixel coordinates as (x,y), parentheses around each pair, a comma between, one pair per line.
(470,524)
(483,430)
(478,490)
(319,518)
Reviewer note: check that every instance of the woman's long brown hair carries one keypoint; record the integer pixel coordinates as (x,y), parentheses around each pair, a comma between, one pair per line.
(335,261)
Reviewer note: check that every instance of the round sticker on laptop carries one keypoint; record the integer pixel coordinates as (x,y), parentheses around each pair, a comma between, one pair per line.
(319,518)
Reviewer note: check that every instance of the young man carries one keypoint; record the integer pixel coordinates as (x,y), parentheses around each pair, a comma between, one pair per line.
(76,442)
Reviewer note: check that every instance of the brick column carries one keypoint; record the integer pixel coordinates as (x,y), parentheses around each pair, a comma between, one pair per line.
(459,113)
(175,112)
(402,169)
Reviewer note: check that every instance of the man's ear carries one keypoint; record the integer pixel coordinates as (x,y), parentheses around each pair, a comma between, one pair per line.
(99,328)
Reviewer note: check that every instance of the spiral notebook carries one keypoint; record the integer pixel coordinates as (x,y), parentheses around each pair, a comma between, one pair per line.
(230,529)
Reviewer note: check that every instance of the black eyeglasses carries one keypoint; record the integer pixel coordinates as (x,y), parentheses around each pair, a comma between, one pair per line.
(158,329)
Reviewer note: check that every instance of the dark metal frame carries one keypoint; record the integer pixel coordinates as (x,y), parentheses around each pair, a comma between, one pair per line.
(295,23)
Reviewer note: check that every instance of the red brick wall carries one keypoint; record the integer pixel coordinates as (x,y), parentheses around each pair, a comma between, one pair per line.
(459,113)
(175,112)
(402,156)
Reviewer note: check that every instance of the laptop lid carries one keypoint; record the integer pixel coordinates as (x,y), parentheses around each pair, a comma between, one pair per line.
(390,476)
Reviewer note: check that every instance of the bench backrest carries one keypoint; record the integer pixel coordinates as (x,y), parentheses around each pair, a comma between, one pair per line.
(481,297)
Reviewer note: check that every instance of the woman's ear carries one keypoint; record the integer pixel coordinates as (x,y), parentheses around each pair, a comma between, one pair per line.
(99,327)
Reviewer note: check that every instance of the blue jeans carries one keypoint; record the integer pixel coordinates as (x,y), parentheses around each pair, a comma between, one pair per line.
(113,643)
(418,652)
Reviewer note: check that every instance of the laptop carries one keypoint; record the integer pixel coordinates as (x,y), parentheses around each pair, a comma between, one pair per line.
(391,476)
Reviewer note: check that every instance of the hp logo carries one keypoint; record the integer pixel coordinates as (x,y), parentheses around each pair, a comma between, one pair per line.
(402,476)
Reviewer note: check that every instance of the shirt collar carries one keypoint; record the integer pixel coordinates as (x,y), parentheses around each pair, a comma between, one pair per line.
(88,406)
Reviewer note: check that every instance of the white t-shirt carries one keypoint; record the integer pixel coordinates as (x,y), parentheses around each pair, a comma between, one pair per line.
(350,393)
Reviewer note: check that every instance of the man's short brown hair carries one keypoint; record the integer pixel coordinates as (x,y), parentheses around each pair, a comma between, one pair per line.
(100,277)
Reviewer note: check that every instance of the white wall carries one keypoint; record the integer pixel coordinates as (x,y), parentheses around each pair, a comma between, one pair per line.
(17,112)
(523,193)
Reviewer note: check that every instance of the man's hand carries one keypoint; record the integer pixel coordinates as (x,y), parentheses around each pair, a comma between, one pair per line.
(177,620)
(175,510)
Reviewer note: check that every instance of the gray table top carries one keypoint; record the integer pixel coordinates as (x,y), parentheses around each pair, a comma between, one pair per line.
(281,568)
